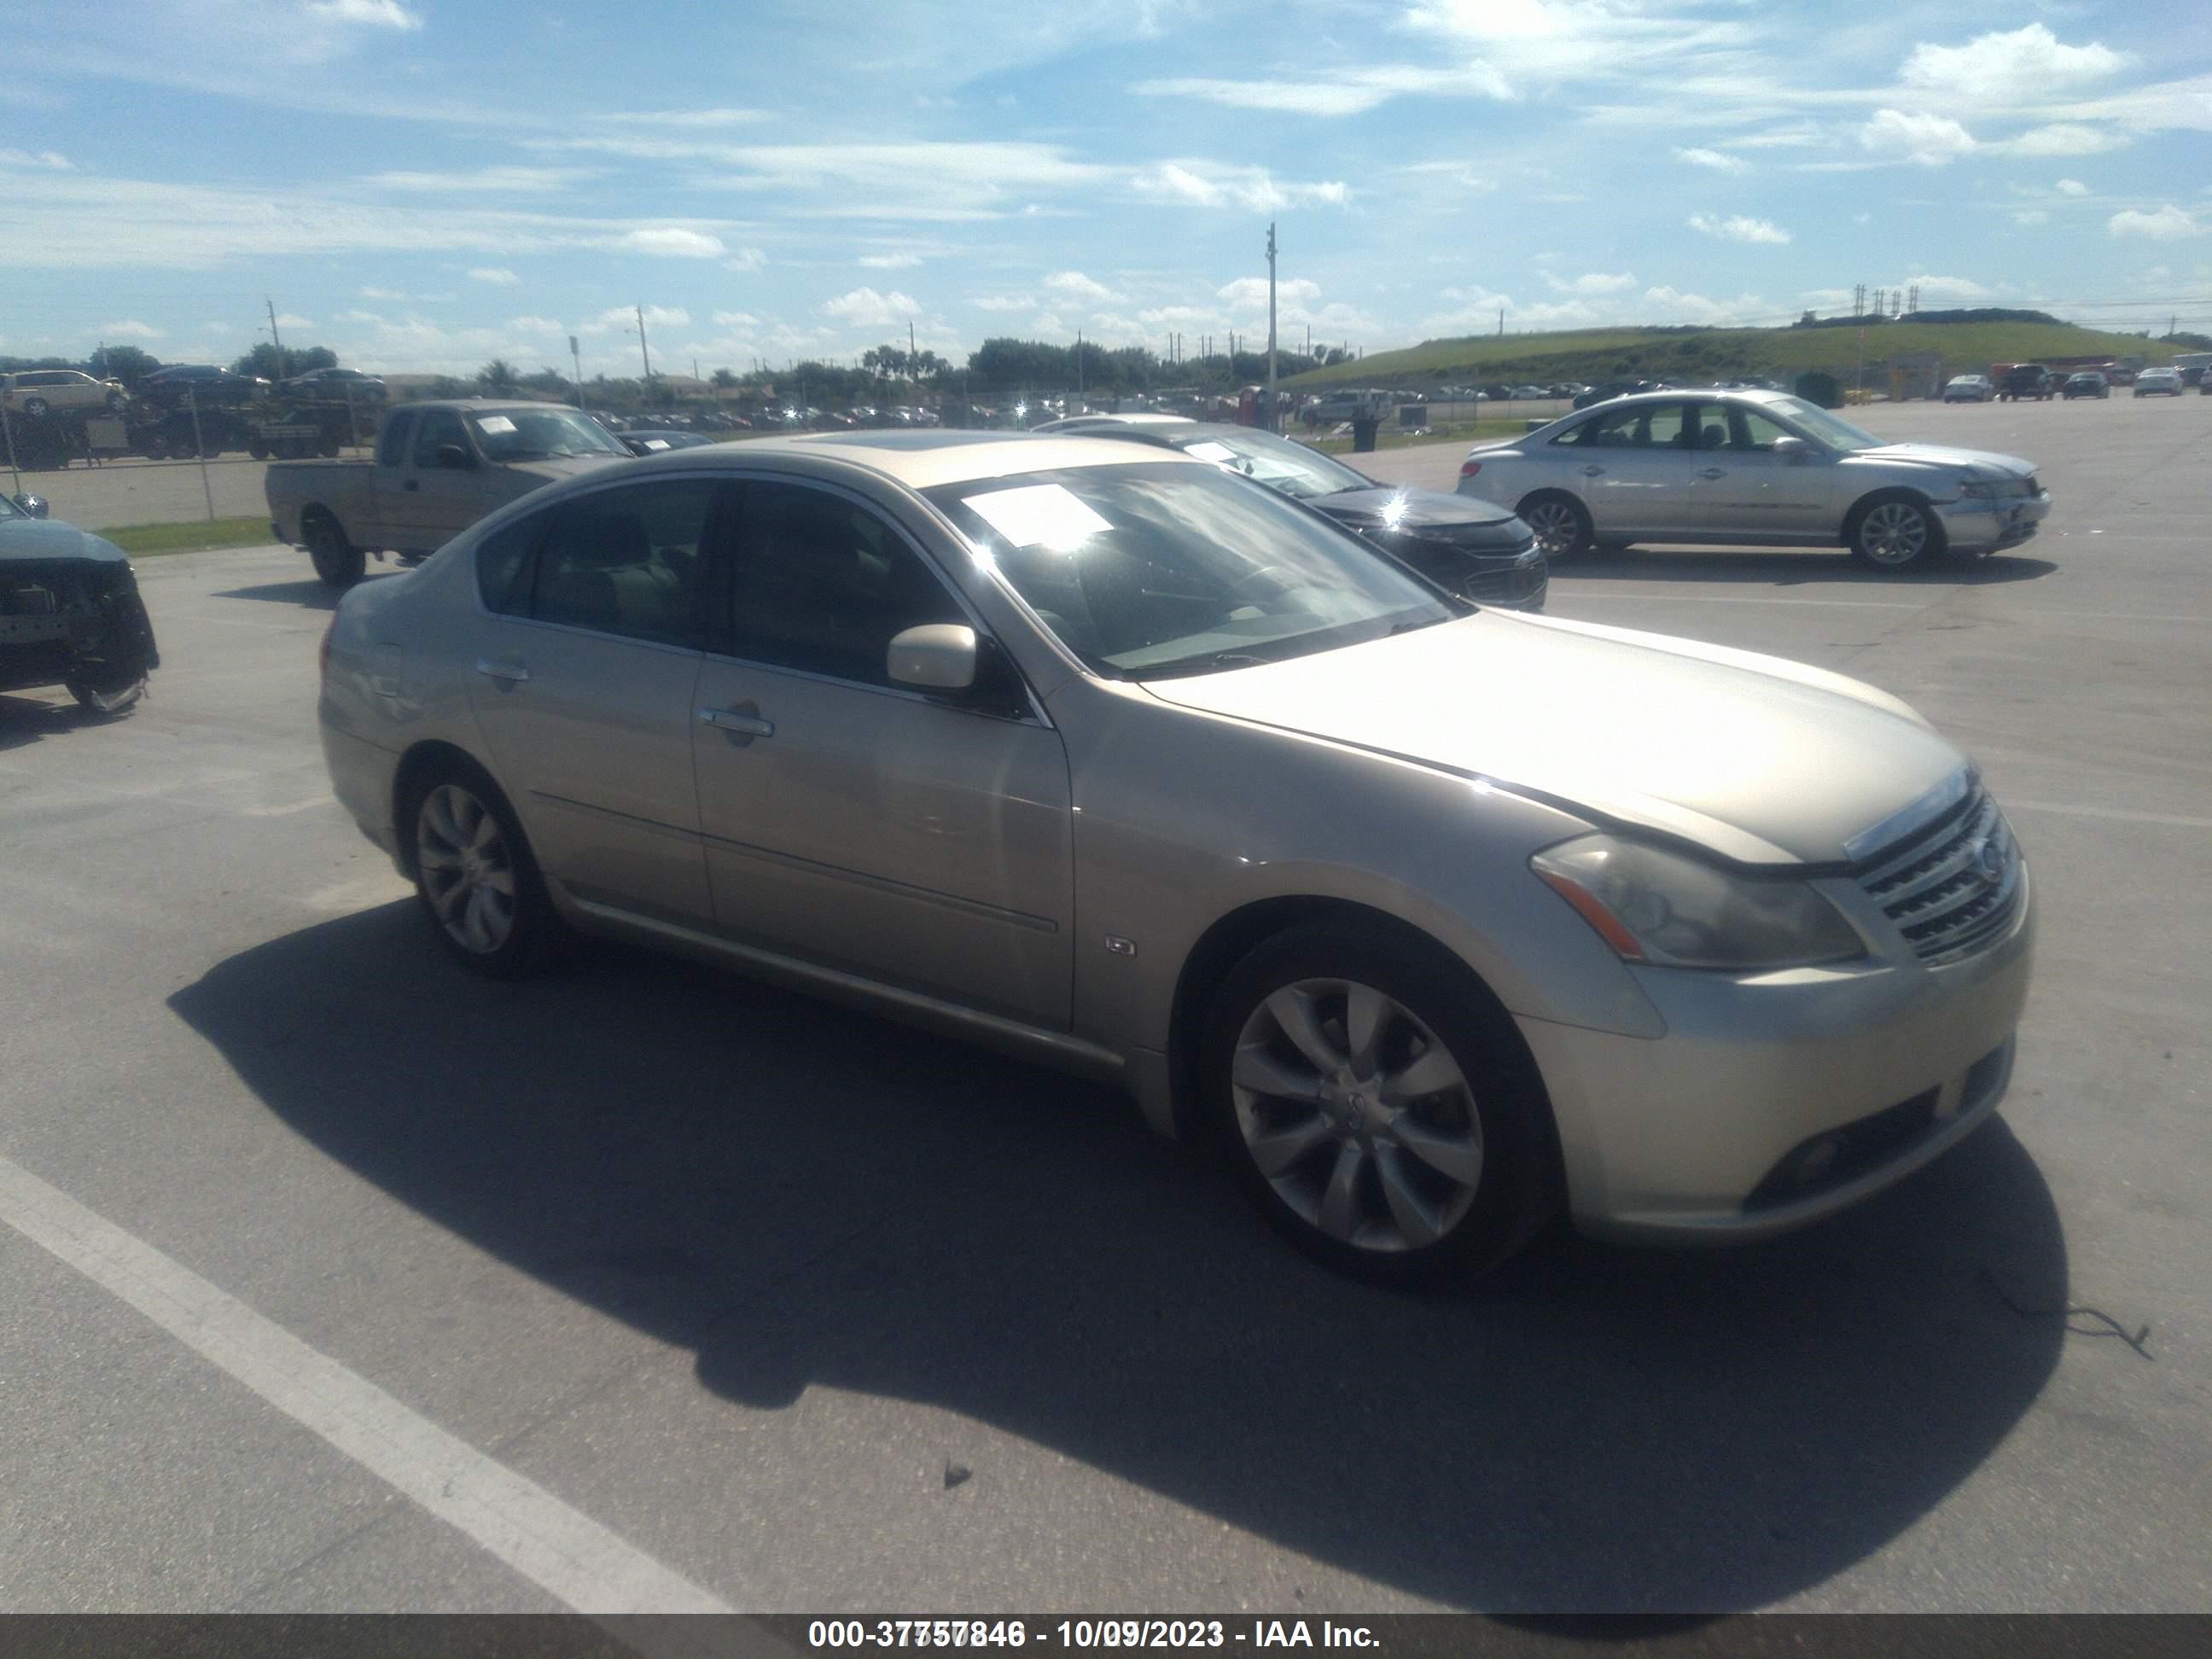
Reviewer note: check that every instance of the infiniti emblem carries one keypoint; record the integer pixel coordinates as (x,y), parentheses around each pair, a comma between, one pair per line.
(1988,860)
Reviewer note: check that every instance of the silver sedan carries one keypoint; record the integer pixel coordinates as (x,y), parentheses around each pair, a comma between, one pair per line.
(1433,920)
(1752,469)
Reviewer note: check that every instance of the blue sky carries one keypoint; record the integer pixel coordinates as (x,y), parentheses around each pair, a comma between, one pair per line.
(427,184)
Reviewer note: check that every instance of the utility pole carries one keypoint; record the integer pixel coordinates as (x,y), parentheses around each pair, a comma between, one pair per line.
(1268,420)
(275,339)
(1501,322)
(643,354)
(576,352)
(1079,364)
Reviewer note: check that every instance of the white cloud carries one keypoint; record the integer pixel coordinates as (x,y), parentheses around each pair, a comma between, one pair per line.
(2165,225)
(2072,187)
(497,276)
(1595,281)
(2024,68)
(2030,216)
(380,14)
(286,320)
(736,319)
(671,241)
(2065,138)
(535,325)
(357,317)
(129,329)
(625,317)
(1719,161)
(1341,93)
(865,308)
(1948,288)
(519,180)
(1075,286)
(890,261)
(1670,305)
(52,161)
(1212,184)
(1737,228)
(1002,302)
(1929,140)
(745,259)
(685,118)
(1249,293)
(381,294)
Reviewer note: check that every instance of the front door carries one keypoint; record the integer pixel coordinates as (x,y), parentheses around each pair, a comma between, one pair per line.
(1745,491)
(861,825)
(584,690)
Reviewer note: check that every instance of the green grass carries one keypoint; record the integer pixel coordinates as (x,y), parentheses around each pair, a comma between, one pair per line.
(149,540)
(1725,353)
(1443,432)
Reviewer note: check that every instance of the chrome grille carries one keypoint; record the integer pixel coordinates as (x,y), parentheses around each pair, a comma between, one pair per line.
(1954,887)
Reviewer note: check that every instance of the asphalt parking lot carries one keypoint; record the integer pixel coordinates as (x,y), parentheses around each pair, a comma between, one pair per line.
(326,1269)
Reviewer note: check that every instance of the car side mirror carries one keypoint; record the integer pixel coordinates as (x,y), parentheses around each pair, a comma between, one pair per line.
(453,455)
(1792,449)
(935,657)
(34,505)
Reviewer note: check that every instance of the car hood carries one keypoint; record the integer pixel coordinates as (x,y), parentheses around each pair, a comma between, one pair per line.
(26,540)
(1944,458)
(1760,760)
(1390,507)
(563,466)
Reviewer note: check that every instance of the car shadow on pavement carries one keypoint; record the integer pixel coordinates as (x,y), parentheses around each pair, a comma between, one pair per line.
(1792,568)
(25,721)
(806,1196)
(314,594)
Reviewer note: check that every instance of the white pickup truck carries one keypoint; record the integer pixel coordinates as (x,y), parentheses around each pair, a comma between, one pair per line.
(438,468)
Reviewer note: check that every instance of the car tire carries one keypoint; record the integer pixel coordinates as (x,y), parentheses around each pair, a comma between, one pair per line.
(153,447)
(1895,531)
(336,560)
(36,408)
(1425,1187)
(476,878)
(1562,523)
(108,699)
(258,450)
(117,403)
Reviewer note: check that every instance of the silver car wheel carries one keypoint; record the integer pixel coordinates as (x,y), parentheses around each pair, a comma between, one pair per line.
(1356,1114)
(1556,527)
(1894,533)
(467,874)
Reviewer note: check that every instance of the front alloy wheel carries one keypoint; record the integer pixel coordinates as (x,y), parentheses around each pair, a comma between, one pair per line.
(1895,534)
(1561,527)
(1356,1116)
(467,872)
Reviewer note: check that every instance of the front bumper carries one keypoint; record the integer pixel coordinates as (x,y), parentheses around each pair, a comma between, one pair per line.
(1991,526)
(1712,1131)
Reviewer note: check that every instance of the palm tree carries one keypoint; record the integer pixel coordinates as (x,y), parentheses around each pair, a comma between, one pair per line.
(498,377)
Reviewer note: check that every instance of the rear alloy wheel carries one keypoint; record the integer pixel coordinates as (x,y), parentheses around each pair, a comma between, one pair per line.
(477,879)
(109,697)
(1561,524)
(336,560)
(1896,533)
(1378,1105)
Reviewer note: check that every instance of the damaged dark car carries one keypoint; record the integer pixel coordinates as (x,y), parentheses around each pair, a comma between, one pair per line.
(70,612)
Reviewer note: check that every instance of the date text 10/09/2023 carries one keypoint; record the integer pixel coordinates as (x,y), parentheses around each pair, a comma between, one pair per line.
(1087,1633)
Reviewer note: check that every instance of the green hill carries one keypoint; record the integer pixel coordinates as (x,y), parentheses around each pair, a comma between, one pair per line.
(1693,353)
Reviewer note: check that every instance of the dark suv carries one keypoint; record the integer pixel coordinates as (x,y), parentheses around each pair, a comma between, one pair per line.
(2025,380)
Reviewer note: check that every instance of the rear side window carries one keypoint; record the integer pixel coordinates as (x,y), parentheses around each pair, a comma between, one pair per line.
(501,557)
(399,433)
(630,561)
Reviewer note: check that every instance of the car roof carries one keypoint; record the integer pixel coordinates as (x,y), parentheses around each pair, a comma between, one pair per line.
(1134,417)
(1674,394)
(923,459)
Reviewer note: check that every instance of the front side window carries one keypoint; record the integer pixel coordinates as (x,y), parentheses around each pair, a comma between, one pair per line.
(392,447)
(437,426)
(629,561)
(823,585)
(1155,569)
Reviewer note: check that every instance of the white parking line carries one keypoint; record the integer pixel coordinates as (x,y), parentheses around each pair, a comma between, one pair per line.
(2175,819)
(562,1551)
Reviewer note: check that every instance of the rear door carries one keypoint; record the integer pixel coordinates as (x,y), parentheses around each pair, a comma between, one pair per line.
(858,823)
(583,690)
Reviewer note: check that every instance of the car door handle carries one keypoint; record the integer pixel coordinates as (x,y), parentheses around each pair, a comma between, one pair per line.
(498,668)
(1714,473)
(739,721)
(1593,471)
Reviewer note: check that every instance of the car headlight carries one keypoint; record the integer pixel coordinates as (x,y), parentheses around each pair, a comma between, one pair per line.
(1654,906)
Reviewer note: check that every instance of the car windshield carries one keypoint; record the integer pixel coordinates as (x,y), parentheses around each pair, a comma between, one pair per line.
(9,510)
(1157,570)
(1277,462)
(1830,428)
(535,435)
